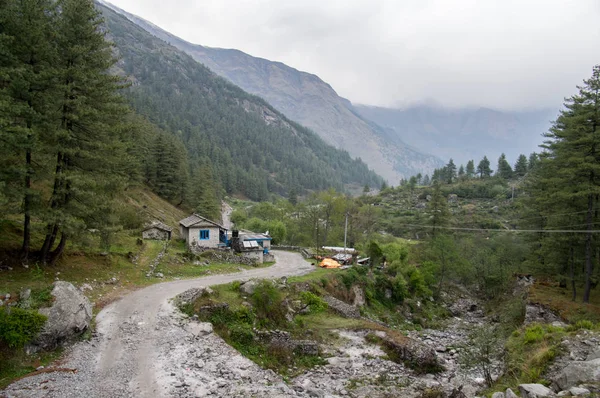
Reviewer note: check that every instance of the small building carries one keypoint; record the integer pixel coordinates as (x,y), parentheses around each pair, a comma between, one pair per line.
(200,232)
(262,240)
(157,231)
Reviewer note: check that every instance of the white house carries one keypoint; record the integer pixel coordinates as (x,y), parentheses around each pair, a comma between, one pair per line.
(201,232)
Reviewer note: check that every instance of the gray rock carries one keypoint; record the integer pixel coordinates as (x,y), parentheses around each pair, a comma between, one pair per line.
(510,394)
(577,373)
(594,355)
(193,294)
(578,391)
(345,310)
(498,395)
(359,296)
(535,391)
(248,287)
(199,329)
(69,316)
(160,275)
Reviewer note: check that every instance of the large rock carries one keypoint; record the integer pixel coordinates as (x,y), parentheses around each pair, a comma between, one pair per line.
(414,353)
(535,391)
(578,373)
(510,394)
(359,296)
(248,287)
(498,395)
(191,295)
(68,317)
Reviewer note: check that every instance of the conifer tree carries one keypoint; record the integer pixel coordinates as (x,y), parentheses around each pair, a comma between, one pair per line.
(570,172)
(438,209)
(470,170)
(533,161)
(87,147)
(504,170)
(483,168)
(450,172)
(461,172)
(521,166)
(27,77)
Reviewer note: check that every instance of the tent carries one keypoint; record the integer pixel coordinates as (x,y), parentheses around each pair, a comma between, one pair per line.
(329,263)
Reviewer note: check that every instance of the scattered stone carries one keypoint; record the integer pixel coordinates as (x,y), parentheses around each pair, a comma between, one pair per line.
(85,287)
(160,275)
(535,391)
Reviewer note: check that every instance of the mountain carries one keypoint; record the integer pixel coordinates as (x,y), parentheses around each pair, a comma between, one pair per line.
(463,134)
(232,137)
(306,99)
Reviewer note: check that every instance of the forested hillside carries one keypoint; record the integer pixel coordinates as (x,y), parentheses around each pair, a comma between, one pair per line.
(308,100)
(246,145)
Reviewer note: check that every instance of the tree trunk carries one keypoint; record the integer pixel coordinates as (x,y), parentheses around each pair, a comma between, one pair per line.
(48,242)
(52,228)
(59,249)
(588,250)
(27,210)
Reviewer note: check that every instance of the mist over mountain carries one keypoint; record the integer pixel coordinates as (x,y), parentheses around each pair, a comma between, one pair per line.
(464,134)
(306,99)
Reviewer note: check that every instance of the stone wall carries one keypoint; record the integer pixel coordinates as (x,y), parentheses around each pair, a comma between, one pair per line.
(155,233)
(281,338)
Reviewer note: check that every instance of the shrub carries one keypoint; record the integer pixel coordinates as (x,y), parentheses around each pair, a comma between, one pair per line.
(241,333)
(268,303)
(314,302)
(235,286)
(533,334)
(583,324)
(18,326)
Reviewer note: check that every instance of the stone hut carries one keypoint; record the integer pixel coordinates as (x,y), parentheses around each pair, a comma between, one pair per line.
(202,233)
(157,231)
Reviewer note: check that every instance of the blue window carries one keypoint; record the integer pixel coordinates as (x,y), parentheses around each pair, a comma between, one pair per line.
(204,234)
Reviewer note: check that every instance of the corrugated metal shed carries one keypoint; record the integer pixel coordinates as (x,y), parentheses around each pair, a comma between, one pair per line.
(195,219)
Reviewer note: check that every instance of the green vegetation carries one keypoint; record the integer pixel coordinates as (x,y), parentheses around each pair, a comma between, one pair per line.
(18,326)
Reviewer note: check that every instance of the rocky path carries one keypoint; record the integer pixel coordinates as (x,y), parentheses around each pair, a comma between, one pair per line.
(141,348)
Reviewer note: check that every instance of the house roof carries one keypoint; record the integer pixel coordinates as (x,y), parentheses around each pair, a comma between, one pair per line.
(253,236)
(195,219)
(158,225)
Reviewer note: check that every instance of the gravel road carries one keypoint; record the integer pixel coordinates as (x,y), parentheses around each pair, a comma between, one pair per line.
(142,344)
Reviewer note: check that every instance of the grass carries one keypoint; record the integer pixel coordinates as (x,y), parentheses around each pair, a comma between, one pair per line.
(15,364)
(559,300)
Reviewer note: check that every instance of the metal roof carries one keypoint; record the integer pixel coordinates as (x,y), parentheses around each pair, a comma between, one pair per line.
(255,237)
(195,219)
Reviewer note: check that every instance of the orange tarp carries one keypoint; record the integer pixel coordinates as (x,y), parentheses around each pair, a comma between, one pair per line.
(329,263)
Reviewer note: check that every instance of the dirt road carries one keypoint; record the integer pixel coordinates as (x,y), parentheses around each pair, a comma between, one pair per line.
(135,336)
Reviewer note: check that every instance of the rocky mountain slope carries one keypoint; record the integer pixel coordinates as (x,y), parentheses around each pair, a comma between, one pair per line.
(306,99)
(464,134)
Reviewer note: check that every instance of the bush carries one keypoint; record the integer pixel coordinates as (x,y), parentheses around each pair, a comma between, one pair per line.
(18,326)
(241,333)
(314,302)
(268,303)
(583,324)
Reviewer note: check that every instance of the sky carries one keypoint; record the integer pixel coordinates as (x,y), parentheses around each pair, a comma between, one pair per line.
(502,54)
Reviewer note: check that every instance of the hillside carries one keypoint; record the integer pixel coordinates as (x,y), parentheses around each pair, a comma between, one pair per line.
(464,134)
(252,149)
(306,99)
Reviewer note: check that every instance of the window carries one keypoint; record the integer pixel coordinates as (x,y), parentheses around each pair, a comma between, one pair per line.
(204,234)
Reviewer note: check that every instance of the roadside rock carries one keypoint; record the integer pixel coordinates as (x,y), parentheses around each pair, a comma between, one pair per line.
(345,310)
(69,316)
(577,373)
(535,391)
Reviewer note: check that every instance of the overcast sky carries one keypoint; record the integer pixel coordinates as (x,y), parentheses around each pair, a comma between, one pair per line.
(506,54)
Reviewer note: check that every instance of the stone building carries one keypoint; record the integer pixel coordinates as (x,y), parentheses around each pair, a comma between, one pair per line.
(202,233)
(157,231)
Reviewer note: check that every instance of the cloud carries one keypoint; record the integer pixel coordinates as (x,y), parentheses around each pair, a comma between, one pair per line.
(505,54)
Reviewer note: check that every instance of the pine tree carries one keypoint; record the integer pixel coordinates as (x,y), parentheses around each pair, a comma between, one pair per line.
(483,168)
(533,161)
(450,172)
(521,166)
(570,172)
(438,209)
(27,77)
(504,170)
(461,172)
(87,148)
(470,171)
(426,180)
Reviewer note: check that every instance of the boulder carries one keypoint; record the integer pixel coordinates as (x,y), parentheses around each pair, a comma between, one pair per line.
(594,355)
(359,296)
(498,395)
(248,287)
(579,391)
(535,391)
(577,373)
(414,353)
(510,394)
(68,317)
